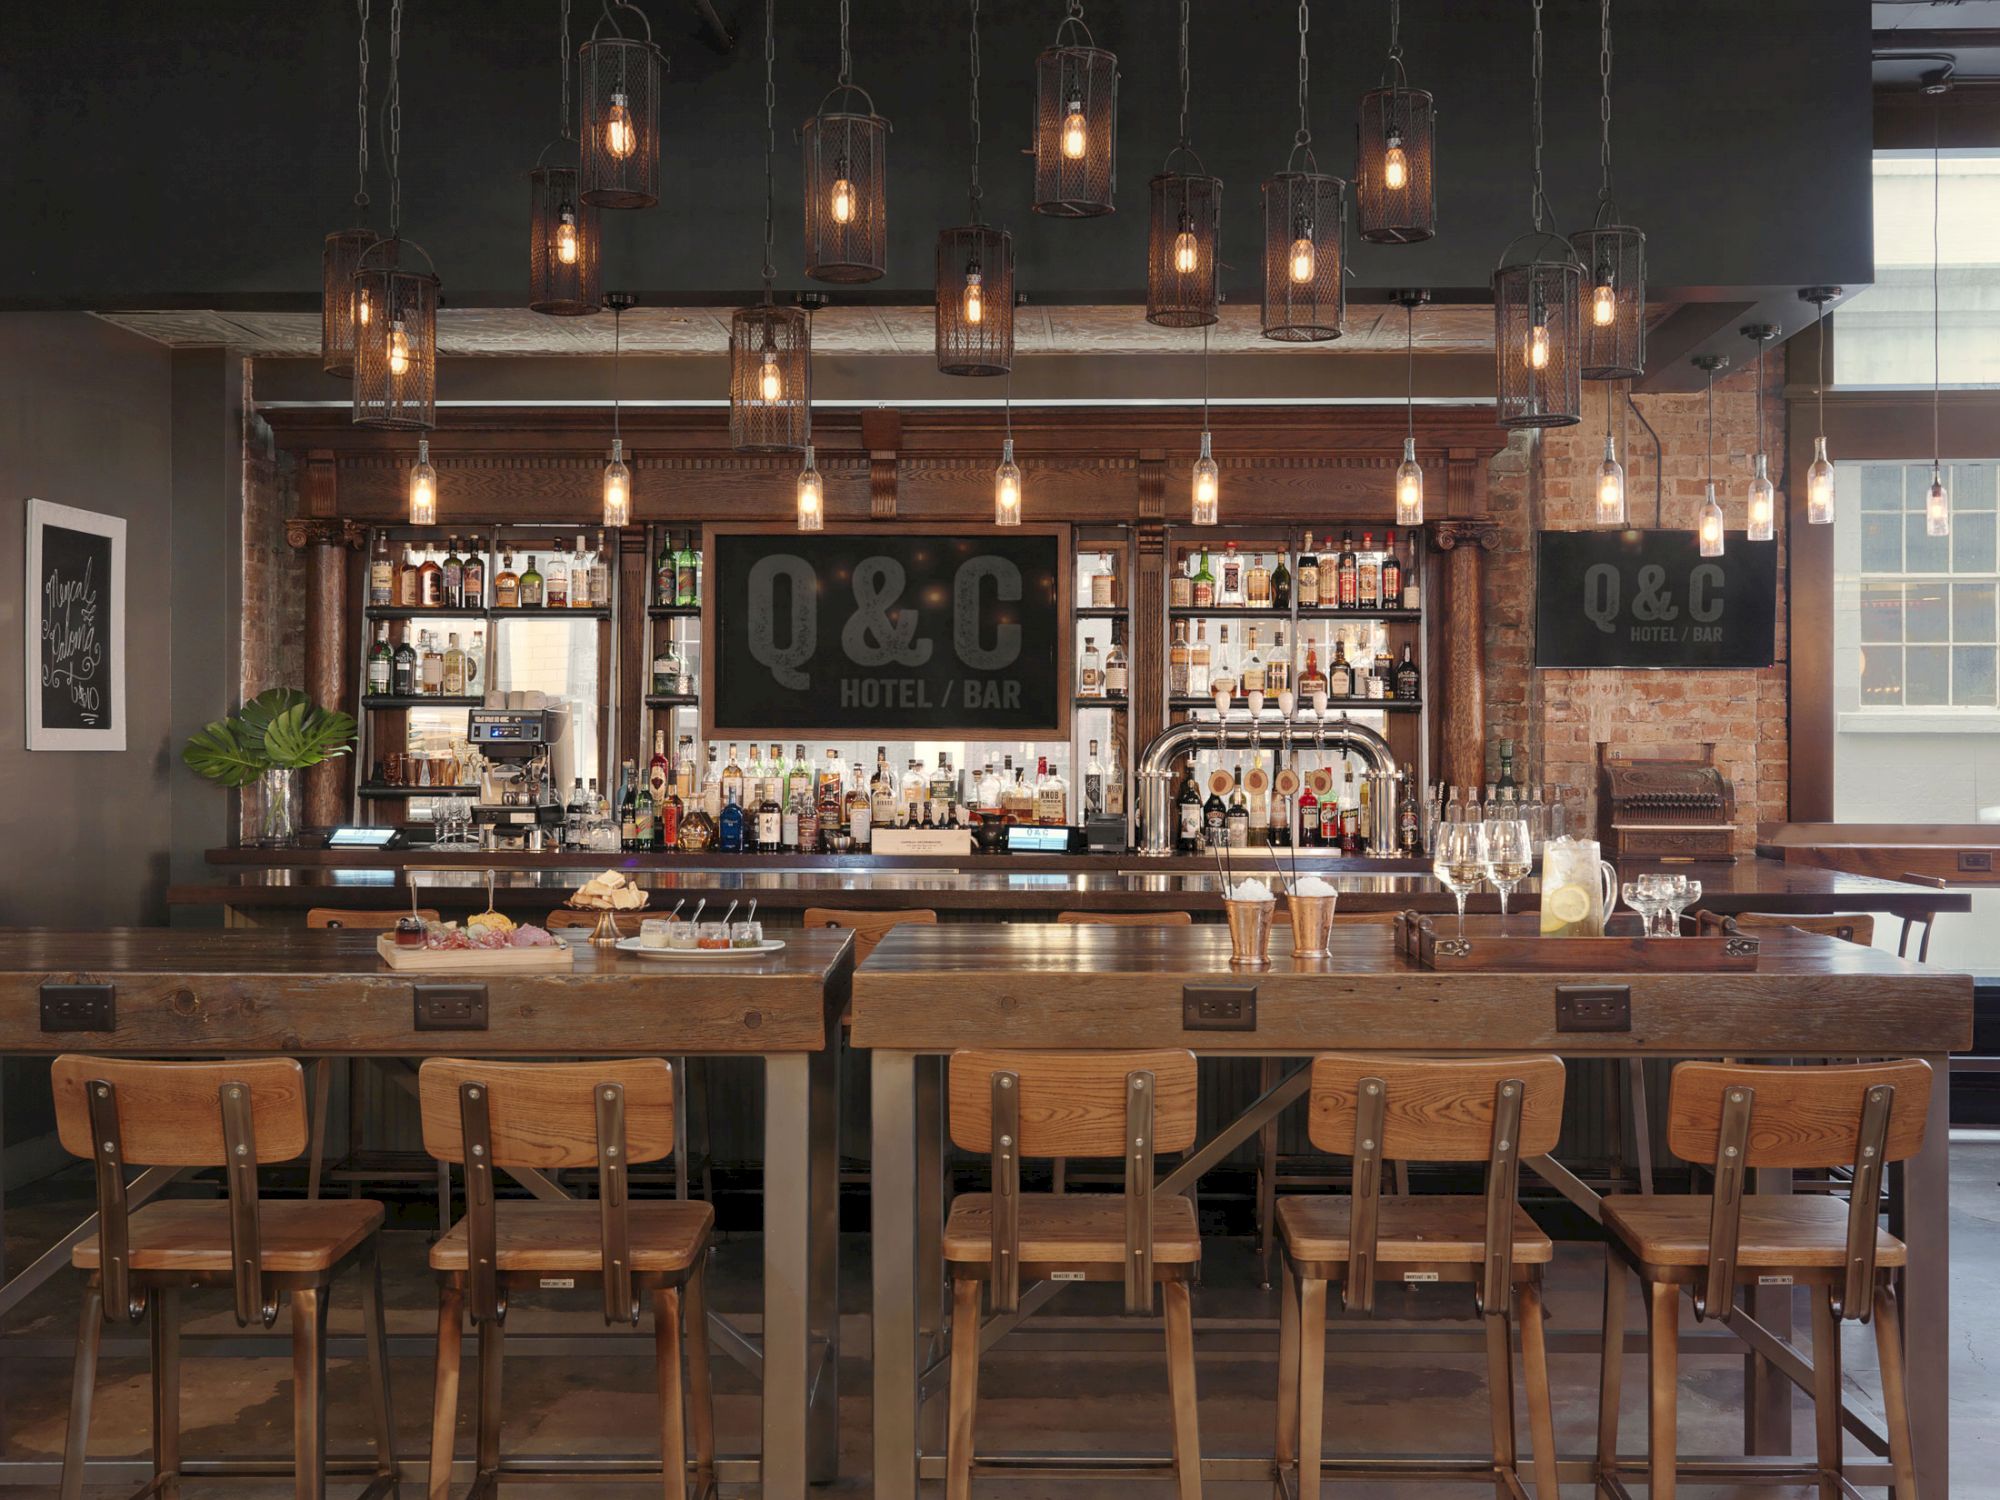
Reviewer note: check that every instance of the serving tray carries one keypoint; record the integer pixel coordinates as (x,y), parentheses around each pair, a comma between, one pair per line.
(474,960)
(1433,943)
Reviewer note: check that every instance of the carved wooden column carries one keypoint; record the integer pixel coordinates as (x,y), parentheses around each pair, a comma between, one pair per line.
(882,435)
(326,540)
(1145,650)
(1461,691)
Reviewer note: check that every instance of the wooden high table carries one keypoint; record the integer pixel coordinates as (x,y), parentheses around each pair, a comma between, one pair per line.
(928,990)
(329,994)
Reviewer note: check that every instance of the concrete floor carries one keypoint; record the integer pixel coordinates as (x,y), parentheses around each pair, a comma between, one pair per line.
(1055,1385)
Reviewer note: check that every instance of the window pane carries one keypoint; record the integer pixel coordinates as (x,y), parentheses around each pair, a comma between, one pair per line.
(1925,669)
(1881,487)
(1972,676)
(1924,615)
(1882,612)
(1972,611)
(1923,553)
(1881,676)
(1882,544)
(1971,541)
(1971,486)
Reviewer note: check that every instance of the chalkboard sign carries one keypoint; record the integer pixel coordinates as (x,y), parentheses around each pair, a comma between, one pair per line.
(1650,599)
(960,635)
(75,636)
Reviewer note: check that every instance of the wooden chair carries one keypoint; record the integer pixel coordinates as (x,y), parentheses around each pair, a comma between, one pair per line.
(1013,1105)
(236,1115)
(1732,1118)
(1495,1110)
(868,927)
(1124,918)
(487,1115)
(1849,928)
(1926,920)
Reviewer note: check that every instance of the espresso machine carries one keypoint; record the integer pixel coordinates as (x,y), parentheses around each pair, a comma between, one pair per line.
(515,751)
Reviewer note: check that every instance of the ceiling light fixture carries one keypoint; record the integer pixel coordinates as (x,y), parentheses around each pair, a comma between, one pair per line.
(619,79)
(1610,509)
(617,478)
(1709,524)
(1305,219)
(847,187)
(974,288)
(1410,473)
(770,370)
(1205,482)
(1613,255)
(1076,123)
(1395,174)
(423,487)
(342,255)
(1182,289)
(563,254)
(1762,495)
(1819,476)
(1007,473)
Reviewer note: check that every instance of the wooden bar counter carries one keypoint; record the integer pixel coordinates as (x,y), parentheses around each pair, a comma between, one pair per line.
(329,994)
(927,991)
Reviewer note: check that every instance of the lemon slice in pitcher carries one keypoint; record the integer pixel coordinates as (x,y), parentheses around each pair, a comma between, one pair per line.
(1568,904)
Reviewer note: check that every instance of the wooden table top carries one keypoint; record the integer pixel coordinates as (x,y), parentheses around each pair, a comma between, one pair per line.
(1042,985)
(290,990)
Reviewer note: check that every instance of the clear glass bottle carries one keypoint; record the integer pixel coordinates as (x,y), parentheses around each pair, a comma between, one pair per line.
(580,595)
(914,787)
(1177,662)
(1230,590)
(1051,795)
(1117,670)
(1257,583)
(666,664)
(506,584)
(433,666)
(732,775)
(455,683)
(1103,584)
(1093,784)
(942,793)
(600,574)
(1198,662)
(555,582)
(1278,666)
(882,791)
(1222,676)
(1251,677)
(1017,801)
(1090,671)
(859,812)
(1114,782)
(991,789)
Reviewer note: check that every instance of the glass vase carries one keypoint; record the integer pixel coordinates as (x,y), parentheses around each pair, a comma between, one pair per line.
(278,808)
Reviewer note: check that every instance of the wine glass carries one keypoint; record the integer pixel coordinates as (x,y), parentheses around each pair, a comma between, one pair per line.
(1507,851)
(1458,864)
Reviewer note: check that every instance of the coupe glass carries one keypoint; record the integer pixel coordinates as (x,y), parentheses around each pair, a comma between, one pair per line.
(1682,894)
(1458,864)
(1508,855)
(1645,897)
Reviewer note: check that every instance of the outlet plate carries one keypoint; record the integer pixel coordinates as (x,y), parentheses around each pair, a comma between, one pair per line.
(1593,1007)
(1219,1007)
(79,1007)
(1975,861)
(450,1007)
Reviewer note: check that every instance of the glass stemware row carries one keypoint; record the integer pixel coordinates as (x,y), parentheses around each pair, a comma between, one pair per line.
(1659,899)
(1499,850)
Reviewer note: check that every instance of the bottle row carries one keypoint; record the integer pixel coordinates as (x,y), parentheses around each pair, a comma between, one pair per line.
(420,668)
(1364,578)
(417,576)
(1281,806)
(677,573)
(1195,669)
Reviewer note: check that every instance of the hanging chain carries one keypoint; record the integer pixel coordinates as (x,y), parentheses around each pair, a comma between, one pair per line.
(1760,394)
(395,117)
(1711,425)
(1604,101)
(770,132)
(846,58)
(563,118)
(1204,367)
(1410,368)
(972,49)
(1535,203)
(1305,134)
(1184,71)
(361,114)
(1819,378)
(1395,31)
(1937,363)
(617,344)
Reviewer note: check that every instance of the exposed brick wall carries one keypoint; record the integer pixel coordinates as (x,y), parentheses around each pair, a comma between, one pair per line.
(1558,718)
(273,628)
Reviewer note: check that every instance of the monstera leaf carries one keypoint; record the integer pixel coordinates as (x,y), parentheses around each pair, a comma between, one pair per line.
(257,715)
(221,753)
(304,736)
(277,730)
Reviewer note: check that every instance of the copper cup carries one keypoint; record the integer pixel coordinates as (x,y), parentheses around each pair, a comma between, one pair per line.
(1249,932)
(1312,924)
(392,768)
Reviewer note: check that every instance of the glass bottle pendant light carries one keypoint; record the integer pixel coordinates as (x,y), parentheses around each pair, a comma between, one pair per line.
(1937,500)
(617,478)
(1610,496)
(811,496)
(1007,487)
(1205,481)
(1709,524)
(1762,496)
(423,487)
(1819,474)
(1410,473)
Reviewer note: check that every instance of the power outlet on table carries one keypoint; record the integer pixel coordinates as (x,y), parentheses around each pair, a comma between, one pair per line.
(1593,1007)
(1219,1007)
(450,1007)
(79,1007)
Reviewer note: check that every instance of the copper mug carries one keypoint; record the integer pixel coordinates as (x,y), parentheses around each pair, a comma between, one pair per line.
(1312,924)
(392,768)
(1249,932)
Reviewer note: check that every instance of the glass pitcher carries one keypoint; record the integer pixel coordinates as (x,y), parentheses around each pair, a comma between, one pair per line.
(1578,888)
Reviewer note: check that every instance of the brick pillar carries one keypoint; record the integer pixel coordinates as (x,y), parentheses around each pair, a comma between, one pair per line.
(1461,692)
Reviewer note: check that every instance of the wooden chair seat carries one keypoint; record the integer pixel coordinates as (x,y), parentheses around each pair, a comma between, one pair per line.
(1807,1230)
(1076,1228)
(297,1235)
(1445,1228)
(667,1236)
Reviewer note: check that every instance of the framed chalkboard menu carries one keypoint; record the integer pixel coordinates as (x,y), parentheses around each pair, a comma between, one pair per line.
(75,636)
(1650,599)
(892,630)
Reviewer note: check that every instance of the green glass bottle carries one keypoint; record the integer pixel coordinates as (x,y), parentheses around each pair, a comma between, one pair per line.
(1204,583)
(664,587)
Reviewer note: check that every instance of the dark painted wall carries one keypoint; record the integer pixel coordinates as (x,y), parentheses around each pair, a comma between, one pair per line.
(202,151)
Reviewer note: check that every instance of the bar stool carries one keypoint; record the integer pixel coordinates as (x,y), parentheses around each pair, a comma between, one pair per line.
(868,927)
(543,1116)
(235,1115)
(1019,1104)
(1926,920)
(1495,1110)
(1732,1117)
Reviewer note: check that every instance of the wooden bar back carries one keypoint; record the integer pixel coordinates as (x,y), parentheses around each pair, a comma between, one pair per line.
(544,1115)
(1124,918)
(170,1113)
(1437,1109)
(868,927)
(1800,1117)
(1072,1103)
(362,921)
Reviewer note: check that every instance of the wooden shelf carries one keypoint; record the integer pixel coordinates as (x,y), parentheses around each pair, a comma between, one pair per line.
(1101,612)
(1390,615)
(1101,701)
(404,793)
(671,700)
(419,700)
(408,612)
(551,612)
(674,611)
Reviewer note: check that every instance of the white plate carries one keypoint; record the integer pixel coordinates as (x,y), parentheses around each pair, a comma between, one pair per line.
(637,945)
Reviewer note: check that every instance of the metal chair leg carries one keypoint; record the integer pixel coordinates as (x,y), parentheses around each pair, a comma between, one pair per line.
(1286,1443)
(679,1068)
(1267,1175)
(322,1088)
(1641,1137)
(1895,1393)
(1500,1397)
(166,1341)
(492,1348)
(83,1386)
(1826,1392)
(1312,1382)
(309,1393)
(375,1329)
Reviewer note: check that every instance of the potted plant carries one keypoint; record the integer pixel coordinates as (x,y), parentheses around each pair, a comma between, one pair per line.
(267,743)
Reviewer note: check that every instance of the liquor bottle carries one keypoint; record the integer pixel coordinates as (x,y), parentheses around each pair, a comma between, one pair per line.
(1188,837)
(667,811)
(1308,575)
(1222,676)
(666,666)
(990,790)
(1117,672)
(531,586)
(753,780)
(1281,584)
(1412,587)
(1230,591)
(1204,584)
(1215,820)
(1103,584)
(409,588)
(1090,672)
(1392,573)
(580,594)
(1382,680)
(1177,662)
(1409,685)
(1368,580)
(506,584)
(1114,783)
(1237,819)
(1407,821)
(452,578)
(1093,784)
(832,804)
(911,793)
(555,583)
(1051,795)
(684,767)
(1309,816)
(381,661)
(1312,680)
(600,573)
(456,683)
(940,793)
(1278,669)
(1257,583)
(1180,586)
(1339,675)
(1278,828)
(732,776)
(698,830)
(1347,574)
(711,786)
(430,582)
(628,795)
(472,580)
(1505,785)
(659,775)
(1017,802)
(687,573)
(665,587)
(882,791)
(729,830)
(770,823)
(860,812)
(381,572)
(433,666)
(1252,677)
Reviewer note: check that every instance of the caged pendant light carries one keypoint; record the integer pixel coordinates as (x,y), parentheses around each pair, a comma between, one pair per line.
(1076,123)
(618,78)
(1819,474)
(1613,256)
(847,181)
(1395,146)
(342,255)
(564,264)
(395,350)
(1537,309)
(1708,527)
(1305,218)
(1762,496)
(770,347)
(1410,473)
(975,274)
(1182,287)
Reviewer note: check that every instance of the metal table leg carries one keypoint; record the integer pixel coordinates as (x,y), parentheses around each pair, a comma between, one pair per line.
(1927,1334)
(1767,1393)
(787,1272)
(823,1318)
(893,1195)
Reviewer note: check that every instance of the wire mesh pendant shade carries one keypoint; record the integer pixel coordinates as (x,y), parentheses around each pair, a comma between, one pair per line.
(1305,293)
(770,375)
(1076,127)
(338,263)
(975,300)
(847,191)
(1395,178)
(618,135)
(1614,299)
(1538,340)
(395,351)
(565,269)
(1181,243)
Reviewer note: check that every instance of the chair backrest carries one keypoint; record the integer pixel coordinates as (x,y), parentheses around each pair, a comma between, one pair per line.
(1849,927)
(868,927)
(1124,918)
(627,922)
(364,921)
(1734,1116)
(232,1114)
(1926,920)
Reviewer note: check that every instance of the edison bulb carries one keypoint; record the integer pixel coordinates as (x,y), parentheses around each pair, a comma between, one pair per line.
(1538,347)
(1007,488)
(364,308)
(1409,487)
(1395,167)
(1302,259)
(1610,487)
(1763,502)
(423,487)
(771,379)
(1819,486)
(843,195)
(812,497)
(1206,487)
(621,138)
(1708,529)
(399,348)
(1937,506)
(1604,303)
(567,248)
(975,300)
(1075,131)
(617,488)
(1187,254)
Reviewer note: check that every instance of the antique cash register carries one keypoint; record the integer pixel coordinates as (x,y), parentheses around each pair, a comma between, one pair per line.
(1665,806)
